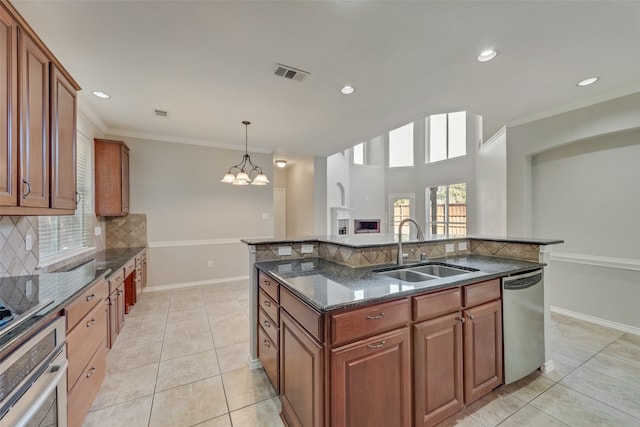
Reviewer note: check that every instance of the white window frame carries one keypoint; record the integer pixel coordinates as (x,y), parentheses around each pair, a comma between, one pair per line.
(85,207)
(363,154)
(412,208)
(411,147)
(427,138)
(447,223)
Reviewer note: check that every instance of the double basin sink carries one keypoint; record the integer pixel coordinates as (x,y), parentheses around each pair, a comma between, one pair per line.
(423,272)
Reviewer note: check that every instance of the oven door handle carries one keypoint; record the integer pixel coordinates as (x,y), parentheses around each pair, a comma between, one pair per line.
(57,372)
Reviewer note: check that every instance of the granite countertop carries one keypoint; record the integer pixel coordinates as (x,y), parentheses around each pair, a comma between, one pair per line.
(61,287)
(327,286)
(388,239)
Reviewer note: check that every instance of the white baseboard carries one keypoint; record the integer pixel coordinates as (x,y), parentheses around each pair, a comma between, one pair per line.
(603,322)
(172,286)
(254,363)
(547,366)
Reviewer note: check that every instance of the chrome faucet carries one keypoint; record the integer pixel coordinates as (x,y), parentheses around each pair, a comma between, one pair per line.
(420,238)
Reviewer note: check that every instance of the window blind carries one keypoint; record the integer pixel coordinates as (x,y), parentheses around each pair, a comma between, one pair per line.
(61,234)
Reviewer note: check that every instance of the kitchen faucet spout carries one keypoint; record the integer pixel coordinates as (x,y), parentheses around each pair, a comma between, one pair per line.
(420,237)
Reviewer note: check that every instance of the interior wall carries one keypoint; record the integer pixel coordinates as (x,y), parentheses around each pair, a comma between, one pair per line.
(491,186)
(192,218)
(367,193)
(300,198)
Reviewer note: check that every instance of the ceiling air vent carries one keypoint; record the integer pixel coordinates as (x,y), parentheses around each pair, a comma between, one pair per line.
(163,114)
(290,73)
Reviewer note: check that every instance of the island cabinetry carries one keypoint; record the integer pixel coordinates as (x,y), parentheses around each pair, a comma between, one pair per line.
(302,374)
(111,177)
(87,320)
(371,381)
(268,327)
(482,339)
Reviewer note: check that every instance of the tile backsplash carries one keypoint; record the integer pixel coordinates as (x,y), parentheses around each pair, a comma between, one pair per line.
(15,260)
(127,232)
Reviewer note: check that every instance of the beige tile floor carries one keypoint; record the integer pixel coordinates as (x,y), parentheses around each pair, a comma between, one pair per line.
(181,360)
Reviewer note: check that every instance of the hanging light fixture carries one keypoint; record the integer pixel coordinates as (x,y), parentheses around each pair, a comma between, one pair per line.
(245,167)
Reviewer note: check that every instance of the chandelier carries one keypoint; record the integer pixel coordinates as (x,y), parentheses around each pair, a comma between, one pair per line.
(246,167)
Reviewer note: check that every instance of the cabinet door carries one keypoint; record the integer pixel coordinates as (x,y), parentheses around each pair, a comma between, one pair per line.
(437,360)
(371,382)
(125,180)
(63,142)
(113,318)
(301,375)
(8,110)
(120,307)
(482,350)
(34,124)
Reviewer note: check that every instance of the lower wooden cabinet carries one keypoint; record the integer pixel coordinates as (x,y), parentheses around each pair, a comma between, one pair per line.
(269,357)
(80,399)
(371,382)
(301,375)
(482,350)
(438,374)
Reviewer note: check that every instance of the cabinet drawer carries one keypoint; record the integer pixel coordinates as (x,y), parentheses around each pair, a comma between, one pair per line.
(269,355)
(436,304)
(84,303)
(269,327)
(269,285)
(116,280)
(84,340)
(129,268)
(269,306)
(481,292)
(81,398)
(310,319)
(368,321)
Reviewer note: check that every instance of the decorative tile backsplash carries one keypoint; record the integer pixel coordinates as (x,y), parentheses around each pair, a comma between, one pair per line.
(127,232)
(523,251)
(15,260)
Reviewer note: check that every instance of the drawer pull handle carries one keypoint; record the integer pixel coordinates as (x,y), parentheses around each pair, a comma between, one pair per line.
(379,316)
(266,343)
(90,297)
(267,303)
(471,316)
(91,323)
(377,345)
(267,324)
(267,282)
(24,196)
(91,372)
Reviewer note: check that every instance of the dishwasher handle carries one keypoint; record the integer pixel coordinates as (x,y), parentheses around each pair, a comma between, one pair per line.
(517,283)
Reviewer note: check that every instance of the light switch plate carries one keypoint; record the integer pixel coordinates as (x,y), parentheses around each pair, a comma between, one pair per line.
(98,231)
(28,244)
(306,249)
(284,250)
(265,215)
(449,247)
(462,246)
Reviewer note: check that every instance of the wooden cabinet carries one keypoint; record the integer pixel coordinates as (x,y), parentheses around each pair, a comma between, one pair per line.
(37,124)
(437,356)
(87,337)
(482,350)
(63,142)
(116,305)
(371,381)
(33,68)
(269,327)
(111,177)
(301,375)
(8,110)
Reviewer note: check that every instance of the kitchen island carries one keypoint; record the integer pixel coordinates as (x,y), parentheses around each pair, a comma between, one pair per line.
(346,344)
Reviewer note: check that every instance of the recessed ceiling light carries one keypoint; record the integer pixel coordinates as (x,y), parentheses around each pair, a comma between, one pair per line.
(100,94)
(487,55)
(587,82)
(281,163)
(347,90)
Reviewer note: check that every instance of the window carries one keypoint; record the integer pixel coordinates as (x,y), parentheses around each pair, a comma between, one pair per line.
(65,235)
(447,209)
(401,146)
(358,154)
(401,208)
(447,136)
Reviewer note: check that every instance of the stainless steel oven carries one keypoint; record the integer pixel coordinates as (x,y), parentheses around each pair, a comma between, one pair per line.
(33,380)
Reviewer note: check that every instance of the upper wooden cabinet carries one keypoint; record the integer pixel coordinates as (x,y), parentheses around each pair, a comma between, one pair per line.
(37,124)
(112,177)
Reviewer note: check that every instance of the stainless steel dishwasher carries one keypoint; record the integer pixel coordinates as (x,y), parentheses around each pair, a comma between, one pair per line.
(522,324)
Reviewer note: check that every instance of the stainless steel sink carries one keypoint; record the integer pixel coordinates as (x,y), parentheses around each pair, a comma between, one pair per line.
(423,272)
(439,270)
(407,275)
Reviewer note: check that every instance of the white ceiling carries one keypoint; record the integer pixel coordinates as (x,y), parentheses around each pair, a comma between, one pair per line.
(211,63)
